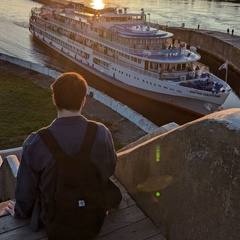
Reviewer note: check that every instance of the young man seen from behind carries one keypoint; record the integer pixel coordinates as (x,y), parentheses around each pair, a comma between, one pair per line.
(37,171)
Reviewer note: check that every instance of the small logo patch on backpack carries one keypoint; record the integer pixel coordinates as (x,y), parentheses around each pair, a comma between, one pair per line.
(81,203)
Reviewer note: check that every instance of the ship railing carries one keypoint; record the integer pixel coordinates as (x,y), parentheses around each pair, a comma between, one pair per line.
(139,49)
(112,44)
(176,75)
(36,10)
(219,80)
(126,65)
(126,49)
(142,51)
(144,72)
(185,74)
(79,30)
(101,40)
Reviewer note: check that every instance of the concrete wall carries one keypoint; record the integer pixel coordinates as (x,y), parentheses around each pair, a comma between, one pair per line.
(11,151)
(219,45)
(8,172)
(187,180)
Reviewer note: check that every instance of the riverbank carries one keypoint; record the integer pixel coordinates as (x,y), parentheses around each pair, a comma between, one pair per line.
(123,130)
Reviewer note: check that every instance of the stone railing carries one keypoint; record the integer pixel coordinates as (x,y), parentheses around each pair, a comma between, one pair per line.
(187,179)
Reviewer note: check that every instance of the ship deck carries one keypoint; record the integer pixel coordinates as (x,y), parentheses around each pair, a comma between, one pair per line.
(128,222)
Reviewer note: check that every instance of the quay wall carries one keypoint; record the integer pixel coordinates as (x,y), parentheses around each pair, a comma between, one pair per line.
(221,46)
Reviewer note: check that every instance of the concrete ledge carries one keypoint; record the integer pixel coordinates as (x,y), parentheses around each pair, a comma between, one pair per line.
(1,161)
(140,121)
(186,180)
(11,151)
(8,174)
(163,129)
(13,162)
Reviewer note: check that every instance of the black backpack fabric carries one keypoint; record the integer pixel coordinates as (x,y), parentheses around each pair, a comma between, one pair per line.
(78,208)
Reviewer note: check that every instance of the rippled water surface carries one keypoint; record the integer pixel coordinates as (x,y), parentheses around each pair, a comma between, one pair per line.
(217,15)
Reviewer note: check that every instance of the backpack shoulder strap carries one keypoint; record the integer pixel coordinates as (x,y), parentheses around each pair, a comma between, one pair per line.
(89,138)
(56,150)
(51,143)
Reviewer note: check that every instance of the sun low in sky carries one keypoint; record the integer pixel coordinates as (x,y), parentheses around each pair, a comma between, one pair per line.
(97,4)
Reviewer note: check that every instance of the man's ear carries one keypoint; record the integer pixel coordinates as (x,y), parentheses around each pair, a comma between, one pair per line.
(53,100)
(83,102)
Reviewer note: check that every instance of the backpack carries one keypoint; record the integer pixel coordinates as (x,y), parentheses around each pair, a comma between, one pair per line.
(78,207)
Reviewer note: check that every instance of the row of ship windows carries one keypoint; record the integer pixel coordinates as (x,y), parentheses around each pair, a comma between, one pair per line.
(137,60)
(128,75)
(136,41)
(67,32)
(62,43)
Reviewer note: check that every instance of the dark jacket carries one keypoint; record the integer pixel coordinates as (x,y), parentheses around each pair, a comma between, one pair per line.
(35,178)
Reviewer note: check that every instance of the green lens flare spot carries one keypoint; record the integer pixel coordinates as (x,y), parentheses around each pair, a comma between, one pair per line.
(158,154)
(158,194)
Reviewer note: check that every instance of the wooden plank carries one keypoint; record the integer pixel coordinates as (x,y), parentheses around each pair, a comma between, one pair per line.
(136,231)
(22,233)
(8,223)
(113,221)
(116,225)
(119,219)
(157,237)
(127,222)
(105,237)
(127,201)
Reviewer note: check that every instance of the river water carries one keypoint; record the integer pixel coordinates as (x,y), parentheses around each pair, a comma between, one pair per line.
(15,40)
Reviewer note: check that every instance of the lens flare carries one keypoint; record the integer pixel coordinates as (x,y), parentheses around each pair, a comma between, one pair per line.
(158,155)
(158,194)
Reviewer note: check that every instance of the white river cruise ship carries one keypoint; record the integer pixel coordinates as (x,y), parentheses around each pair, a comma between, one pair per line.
(130,52)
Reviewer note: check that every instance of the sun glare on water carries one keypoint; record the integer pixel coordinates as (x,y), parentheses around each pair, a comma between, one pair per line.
(97,4)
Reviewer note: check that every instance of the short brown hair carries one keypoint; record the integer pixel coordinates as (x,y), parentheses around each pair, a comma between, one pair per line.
(69,90)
